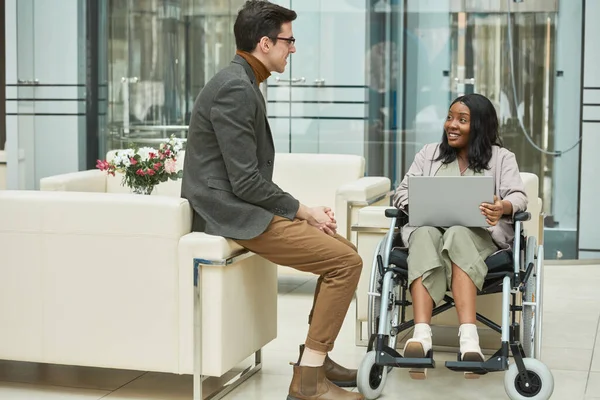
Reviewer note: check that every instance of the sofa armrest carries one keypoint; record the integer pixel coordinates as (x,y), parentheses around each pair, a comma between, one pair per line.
(213,250)
(92,180)
(351,197)
(237,288)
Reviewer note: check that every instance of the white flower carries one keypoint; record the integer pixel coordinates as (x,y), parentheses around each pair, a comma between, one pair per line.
(170,166)
(176,144)
(144,153)
(121,158)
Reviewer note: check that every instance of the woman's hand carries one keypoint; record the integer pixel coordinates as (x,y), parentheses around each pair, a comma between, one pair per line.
(492,212)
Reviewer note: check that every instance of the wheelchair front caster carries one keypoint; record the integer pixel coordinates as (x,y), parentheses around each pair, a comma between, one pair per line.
(371,377)
(542,381)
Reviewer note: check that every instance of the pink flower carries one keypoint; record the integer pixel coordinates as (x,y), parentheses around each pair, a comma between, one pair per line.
(150,172)
(170,166)
(157,166)
(140,172)
(132,160)
(151,155)
(102,165)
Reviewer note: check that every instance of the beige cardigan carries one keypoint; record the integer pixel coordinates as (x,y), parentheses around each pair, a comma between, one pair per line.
(508,186)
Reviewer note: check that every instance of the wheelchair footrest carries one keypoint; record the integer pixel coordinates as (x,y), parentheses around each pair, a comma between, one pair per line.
(391,358)
(492,365)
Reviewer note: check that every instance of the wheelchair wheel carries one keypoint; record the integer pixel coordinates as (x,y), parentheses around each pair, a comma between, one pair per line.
(542,381)
(371,377)
(528,314)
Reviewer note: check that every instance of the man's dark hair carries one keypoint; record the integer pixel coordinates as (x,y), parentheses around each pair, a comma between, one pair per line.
(483,133)
(259,18)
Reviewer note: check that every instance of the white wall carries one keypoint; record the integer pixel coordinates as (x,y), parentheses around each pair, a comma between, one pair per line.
(589,218)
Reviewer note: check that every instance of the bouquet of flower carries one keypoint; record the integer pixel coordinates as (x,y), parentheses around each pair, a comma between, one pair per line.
(143,168)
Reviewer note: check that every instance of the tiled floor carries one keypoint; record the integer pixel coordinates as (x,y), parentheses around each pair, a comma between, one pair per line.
(571,350)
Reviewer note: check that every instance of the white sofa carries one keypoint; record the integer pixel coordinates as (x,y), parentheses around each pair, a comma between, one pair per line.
(107,280)
(372,225)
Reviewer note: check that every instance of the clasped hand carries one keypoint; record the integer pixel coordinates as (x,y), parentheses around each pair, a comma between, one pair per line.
(324,219)
(492,212)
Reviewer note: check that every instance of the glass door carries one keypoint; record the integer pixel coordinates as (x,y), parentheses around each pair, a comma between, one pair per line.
(318,105)
(147,58)
(520,55)
(278,95)
(22,153)
(292,97)
(522,93)
(160,54)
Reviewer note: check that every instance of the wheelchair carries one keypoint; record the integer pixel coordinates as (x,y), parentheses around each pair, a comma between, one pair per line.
(517,273)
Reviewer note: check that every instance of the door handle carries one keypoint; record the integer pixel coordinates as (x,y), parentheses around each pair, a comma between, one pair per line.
(320,82)
(133,79)
(466,81)
(293,80)
(28,82)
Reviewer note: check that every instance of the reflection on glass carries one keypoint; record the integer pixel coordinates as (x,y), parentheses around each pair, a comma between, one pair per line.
(487,63)
(430,54)
(160,54)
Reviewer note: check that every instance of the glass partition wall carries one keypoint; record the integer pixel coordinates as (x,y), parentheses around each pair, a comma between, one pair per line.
(525,57)
(160,53)
(370,77)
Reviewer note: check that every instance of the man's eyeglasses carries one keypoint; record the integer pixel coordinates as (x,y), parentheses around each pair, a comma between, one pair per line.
(291,40)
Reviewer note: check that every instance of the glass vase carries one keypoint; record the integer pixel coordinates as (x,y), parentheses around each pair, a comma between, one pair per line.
(147,190)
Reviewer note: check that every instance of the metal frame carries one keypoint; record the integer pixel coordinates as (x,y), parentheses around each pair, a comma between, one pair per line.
(241,376)
(351,205)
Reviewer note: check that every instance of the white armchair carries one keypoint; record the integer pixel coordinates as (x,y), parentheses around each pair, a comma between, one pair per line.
(109,280)
(333,180)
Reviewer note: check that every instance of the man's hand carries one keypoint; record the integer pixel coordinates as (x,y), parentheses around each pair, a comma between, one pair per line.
(323,219)
(492,212)
(319,217)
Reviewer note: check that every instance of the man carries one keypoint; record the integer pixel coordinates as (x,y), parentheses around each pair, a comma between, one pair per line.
(228,181)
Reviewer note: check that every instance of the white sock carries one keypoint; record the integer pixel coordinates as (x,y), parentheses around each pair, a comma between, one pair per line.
(312,358)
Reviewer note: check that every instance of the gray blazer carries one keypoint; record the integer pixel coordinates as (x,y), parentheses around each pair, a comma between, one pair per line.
(508,186)
(228,166)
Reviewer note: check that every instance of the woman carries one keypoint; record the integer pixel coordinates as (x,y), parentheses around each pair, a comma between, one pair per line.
(453,258)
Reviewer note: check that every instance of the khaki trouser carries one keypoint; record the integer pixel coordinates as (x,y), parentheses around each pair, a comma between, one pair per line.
(298,245)
(433,250)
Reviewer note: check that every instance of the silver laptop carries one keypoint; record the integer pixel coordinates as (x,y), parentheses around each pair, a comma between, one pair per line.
(445,201)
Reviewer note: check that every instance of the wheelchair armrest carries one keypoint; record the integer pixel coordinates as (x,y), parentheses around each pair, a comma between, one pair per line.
(400,215)
(521,216)
(392,212)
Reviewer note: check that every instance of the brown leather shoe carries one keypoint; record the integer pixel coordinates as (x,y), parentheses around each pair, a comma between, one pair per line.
(341,376)
(310,383)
